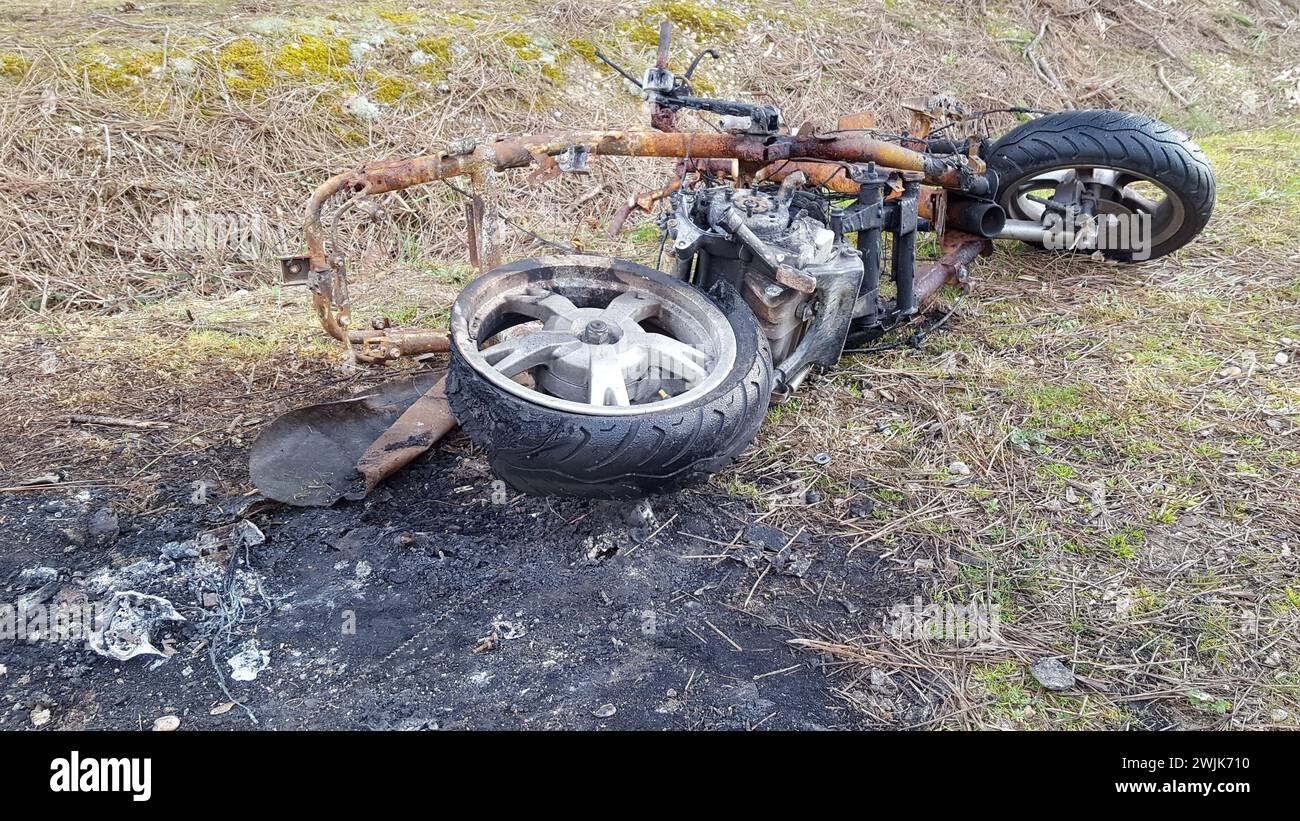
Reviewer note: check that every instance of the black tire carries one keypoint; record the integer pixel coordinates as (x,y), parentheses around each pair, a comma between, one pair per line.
(1112,139)
(547,452)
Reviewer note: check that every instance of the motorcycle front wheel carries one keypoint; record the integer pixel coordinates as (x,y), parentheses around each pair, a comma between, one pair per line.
(596,377)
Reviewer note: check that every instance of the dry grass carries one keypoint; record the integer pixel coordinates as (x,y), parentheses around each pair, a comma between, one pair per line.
(1130,504)
(1134,460)
(113,116)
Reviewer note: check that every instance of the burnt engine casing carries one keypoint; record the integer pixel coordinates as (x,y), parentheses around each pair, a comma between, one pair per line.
(773,245)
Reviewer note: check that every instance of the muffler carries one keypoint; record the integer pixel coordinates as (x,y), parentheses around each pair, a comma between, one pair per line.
(979,217)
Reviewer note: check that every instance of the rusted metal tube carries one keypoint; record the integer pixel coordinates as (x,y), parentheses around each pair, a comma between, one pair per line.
(328,280)
(961,251)
(950,171)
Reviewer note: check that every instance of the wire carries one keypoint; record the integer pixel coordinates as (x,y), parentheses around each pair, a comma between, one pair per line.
(916,339)
(559,246)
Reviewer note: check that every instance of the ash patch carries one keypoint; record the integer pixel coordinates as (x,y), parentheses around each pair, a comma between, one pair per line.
(430,606)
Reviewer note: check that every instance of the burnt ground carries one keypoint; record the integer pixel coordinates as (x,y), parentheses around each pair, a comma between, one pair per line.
(468,613)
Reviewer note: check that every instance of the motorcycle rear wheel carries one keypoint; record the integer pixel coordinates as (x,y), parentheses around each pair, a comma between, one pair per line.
(1137,166)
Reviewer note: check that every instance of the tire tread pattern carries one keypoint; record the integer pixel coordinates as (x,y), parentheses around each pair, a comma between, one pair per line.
(1114,138)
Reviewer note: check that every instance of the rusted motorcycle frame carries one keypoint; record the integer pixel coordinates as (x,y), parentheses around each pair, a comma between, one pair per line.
(757,159)
(794,221)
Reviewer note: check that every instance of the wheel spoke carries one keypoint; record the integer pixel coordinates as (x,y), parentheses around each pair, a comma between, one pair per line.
(514,356)
(1051,179)
(605,383)
(675,357)
(1136,202)
(632,305)
(1102,176)
(543,305)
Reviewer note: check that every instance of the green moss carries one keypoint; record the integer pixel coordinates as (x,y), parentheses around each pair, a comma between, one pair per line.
(459,19)
(642,34)
(398,18)
(584,49)
(244,66)
(249,66)
(437,51)
(439,47)
(699,19)
(535,51)
(117,69)
(516,40)
(387,89)
(312,57)
(13,66)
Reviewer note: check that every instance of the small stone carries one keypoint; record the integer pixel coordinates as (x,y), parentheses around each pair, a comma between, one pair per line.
(1279,715)
(958,469)
(641,514)
(102,527)
(40,716)
(1230,372)
(1052,674)
(1281,358)
(812,497)
(1028,712)
(861,508)
(34,577)
(75,534)
(792,563)
(166,724)
(604,711)
(923,565)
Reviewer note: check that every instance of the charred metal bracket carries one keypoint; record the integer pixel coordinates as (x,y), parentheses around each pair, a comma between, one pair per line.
(573,160)
(295,270)
(871,215)
(867,218)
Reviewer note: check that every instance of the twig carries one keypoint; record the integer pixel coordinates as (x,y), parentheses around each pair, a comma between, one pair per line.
(111,421)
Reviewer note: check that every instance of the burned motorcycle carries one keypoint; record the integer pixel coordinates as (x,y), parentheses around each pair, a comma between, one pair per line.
(600,377)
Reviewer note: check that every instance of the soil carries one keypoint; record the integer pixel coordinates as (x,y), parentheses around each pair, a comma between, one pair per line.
(440,602)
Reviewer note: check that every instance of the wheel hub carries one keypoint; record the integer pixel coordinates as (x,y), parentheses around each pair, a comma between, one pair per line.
(599,332)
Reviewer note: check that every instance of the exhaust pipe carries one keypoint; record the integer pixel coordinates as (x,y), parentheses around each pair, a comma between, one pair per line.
(979,217)
(1024,230)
